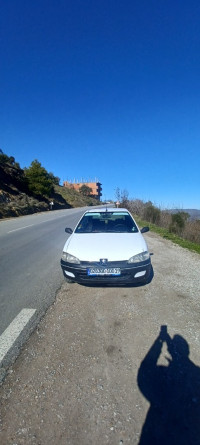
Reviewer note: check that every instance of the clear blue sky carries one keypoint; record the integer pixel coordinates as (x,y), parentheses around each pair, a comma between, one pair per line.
(107,89)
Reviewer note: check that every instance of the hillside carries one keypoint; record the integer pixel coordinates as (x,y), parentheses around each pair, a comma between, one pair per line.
(16,198)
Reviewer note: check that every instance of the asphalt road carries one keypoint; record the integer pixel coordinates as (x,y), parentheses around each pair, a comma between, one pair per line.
(30,251)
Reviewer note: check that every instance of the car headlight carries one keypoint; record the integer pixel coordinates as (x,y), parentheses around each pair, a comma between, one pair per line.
(70,258)
(143,256)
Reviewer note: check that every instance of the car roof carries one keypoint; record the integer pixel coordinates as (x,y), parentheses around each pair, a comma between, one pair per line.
(107,209)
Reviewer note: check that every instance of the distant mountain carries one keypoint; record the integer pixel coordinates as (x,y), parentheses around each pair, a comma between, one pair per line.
(194,213)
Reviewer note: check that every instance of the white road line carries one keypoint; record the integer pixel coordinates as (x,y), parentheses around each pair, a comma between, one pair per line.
(11,333)
(36,224)
(21,228)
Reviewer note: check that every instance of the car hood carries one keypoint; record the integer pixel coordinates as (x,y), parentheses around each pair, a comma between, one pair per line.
(113,247)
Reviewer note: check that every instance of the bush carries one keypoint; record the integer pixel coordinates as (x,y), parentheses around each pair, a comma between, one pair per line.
(178,222)
(85,190)
(192,231)
(175,223)
(152,213)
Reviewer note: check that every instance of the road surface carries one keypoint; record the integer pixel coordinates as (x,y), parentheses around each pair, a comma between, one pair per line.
(30,273)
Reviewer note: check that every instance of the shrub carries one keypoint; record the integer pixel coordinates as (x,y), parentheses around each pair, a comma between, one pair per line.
(152,213)
(178,222)
(192,231)
(85,190)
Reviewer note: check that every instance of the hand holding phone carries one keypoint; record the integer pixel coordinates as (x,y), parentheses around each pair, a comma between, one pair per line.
(163,332)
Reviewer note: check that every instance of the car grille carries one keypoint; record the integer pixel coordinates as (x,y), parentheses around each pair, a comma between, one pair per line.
(108,264)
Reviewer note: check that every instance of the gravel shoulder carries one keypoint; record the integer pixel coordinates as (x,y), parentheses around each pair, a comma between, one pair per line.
(76,379)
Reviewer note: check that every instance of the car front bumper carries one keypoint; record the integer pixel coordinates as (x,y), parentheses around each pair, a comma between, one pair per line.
(129,273)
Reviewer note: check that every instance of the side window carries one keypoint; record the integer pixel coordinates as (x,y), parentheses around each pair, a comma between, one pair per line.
(130,224)
(84,225)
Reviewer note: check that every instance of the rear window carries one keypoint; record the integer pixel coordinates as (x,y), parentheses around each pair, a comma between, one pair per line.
(110,222)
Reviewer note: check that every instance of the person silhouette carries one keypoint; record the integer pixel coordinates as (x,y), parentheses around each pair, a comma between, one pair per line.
(173,392)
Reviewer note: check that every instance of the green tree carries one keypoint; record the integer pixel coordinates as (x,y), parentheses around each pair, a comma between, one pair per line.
(4,159)
(39,181)
(85,190)
(55,179)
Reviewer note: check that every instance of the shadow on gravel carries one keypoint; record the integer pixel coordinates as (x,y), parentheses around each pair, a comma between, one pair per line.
(139,284)
(173,392)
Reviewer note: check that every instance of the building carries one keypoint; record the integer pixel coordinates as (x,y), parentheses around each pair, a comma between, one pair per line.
(95,187)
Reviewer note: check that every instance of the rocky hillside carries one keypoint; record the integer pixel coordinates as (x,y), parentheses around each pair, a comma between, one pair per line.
(16,198)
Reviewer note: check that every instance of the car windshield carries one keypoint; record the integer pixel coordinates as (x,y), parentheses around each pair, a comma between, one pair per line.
(110,222)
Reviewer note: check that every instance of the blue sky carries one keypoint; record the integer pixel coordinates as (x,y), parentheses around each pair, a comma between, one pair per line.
(106,89)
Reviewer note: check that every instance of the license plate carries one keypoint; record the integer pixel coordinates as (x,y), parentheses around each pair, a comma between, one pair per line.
(104,271)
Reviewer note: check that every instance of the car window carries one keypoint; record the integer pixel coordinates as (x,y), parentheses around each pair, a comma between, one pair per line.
(110,222)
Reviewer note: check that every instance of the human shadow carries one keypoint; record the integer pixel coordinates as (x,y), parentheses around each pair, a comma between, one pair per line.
(173,392)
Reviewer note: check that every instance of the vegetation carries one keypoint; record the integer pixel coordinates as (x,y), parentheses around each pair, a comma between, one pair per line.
(178,222)
(85,190)
(40,183)
(30,190)
(174,226)
(165,233)
(152,213)
(5,159)
(8,167)
(74,197)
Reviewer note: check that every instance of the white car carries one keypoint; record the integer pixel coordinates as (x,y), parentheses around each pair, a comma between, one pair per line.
(106,247)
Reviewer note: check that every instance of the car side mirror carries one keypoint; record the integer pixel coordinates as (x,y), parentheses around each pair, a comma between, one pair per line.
(68,230)
(144,229)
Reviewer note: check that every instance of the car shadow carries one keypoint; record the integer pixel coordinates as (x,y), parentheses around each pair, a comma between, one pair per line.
(173,392)
(139,284)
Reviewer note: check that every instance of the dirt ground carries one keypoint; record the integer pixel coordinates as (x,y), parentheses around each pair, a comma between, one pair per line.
(98,371)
